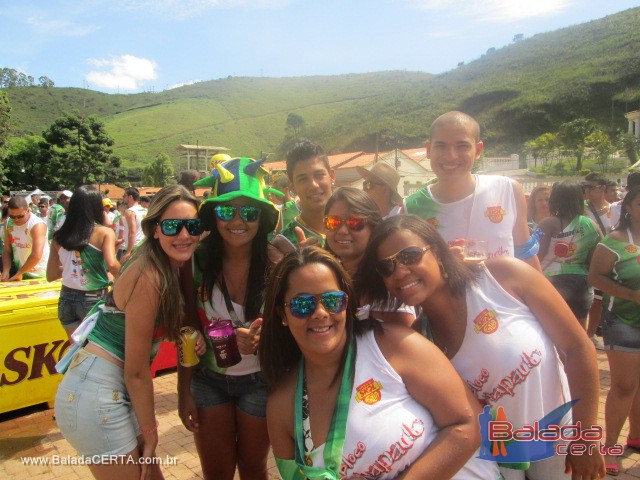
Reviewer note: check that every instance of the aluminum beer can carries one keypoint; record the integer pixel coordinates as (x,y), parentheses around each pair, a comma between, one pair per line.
(187,347)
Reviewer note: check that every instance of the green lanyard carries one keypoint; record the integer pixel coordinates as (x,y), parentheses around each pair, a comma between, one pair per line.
(337,431)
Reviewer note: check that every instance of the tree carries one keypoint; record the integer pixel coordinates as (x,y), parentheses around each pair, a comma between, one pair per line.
(45,82)
(629,143)
(602,147)
(296,123)
(26,167)
(541,147)
(572,137)
(159,172)
(5,117)
(518,37)
(79,148)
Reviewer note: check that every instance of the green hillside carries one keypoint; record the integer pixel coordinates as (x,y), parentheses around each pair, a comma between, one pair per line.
(517,92)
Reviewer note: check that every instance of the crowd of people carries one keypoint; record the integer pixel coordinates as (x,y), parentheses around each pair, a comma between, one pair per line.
(366,340)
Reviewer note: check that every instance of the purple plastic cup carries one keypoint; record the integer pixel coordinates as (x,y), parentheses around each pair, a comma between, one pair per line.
(223,340)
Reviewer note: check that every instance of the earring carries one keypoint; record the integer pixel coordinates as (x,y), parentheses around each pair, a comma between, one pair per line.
(444,274)
(284,324)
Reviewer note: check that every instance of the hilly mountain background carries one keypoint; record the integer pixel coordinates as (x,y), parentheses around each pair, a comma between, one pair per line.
(517,92)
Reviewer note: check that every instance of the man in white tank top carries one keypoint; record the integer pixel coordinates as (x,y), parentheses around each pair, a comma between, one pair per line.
(462,205)
(133,216)
(26,249)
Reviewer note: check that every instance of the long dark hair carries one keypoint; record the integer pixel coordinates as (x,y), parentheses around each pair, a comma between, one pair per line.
(625,218)
(208,260)
(371,284)
(84,212)
(565,200)
(278,350)
(154,259)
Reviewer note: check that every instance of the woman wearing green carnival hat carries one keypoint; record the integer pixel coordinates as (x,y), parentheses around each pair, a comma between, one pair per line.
(225,407)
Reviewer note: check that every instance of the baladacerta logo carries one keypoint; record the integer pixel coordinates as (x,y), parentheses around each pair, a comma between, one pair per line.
(505,443)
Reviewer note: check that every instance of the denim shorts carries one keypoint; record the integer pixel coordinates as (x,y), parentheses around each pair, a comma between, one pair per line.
(576,291)
(247,392)
(93,409)
(73,306)
(617,335)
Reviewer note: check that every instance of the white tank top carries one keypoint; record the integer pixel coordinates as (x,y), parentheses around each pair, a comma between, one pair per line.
(387,429)
(507,358)
(139,212)
(22,245)
(487,214)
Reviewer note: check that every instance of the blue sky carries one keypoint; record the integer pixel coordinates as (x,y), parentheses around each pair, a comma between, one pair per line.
(128,46)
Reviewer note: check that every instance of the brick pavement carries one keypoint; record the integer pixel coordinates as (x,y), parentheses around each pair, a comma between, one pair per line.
(32,432)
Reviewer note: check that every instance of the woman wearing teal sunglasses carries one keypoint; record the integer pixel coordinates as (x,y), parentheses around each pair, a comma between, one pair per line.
(225,408)
(353,399)
(105,403)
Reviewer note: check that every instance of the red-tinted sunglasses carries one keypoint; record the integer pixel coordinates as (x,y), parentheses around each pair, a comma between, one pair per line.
(353,222)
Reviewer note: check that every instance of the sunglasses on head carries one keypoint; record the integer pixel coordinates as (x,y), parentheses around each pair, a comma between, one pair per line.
(173,226)
(353,222)
(248,213)
(303,306)
(407,256)
(17,217)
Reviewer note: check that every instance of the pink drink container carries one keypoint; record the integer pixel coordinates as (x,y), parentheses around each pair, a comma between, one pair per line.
(223,340)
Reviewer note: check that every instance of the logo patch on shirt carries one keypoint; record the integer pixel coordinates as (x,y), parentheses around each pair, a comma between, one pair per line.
(631,249)
(369,392)
(564,249)
(495,214)
(486,322)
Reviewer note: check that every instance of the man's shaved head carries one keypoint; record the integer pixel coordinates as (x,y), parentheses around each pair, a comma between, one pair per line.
(458,119)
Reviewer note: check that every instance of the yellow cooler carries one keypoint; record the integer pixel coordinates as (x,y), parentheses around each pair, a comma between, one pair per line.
(27,286)
(31,343)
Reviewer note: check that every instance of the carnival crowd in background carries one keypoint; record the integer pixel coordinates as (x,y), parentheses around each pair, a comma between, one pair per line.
(363,334)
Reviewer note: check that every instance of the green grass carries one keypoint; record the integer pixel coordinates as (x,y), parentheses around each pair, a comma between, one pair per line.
(517,93)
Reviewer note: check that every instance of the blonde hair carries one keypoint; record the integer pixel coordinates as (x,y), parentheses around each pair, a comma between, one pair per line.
(153,259)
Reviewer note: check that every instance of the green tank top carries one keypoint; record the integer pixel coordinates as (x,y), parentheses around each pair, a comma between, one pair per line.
(626,271)
(83,270)
(109,331)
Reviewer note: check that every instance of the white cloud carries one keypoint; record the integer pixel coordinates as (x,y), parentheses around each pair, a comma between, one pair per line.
(182,9)
(125,72)
(494,10)
(59,27)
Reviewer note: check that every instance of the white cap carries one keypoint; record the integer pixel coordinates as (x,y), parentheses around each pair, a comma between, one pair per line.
(66,193)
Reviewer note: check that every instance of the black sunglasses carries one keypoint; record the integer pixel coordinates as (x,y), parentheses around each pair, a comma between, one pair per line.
(173,226)
(407,256)
(17,217)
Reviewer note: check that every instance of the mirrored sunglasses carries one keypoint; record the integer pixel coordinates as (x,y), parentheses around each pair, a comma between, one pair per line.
(303,306)
(353,222)
(248,213)
(173,226)
(407,256)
